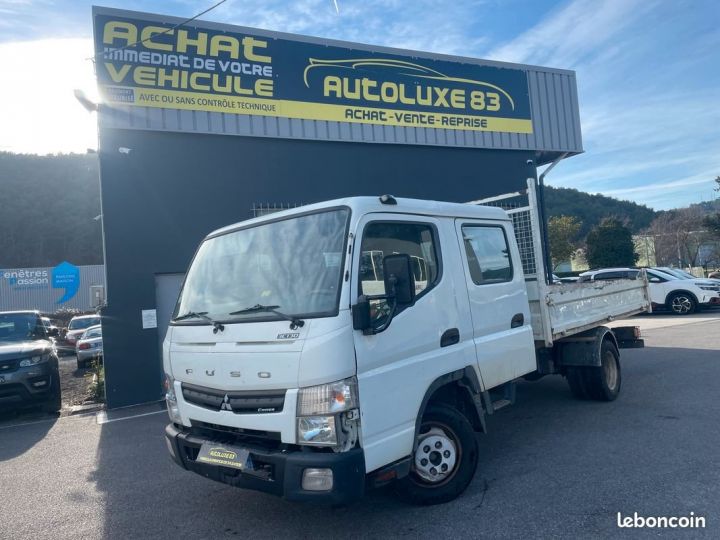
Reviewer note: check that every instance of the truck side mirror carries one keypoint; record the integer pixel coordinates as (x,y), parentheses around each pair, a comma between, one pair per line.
(399,279)
(361,314)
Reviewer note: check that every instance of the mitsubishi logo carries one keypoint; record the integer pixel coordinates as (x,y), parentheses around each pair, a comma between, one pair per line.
(226,404)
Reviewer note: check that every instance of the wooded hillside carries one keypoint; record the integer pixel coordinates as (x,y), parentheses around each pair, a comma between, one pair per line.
(48,205)
(592,209)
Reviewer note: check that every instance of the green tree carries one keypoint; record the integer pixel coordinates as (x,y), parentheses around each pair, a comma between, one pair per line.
(712,222)
(610,244)
(562,235)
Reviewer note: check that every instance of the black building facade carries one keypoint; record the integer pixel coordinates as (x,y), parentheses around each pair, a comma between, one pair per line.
(172,174)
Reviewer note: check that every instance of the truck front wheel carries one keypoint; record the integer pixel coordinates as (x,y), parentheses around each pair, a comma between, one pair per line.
(445,459)
(600,383)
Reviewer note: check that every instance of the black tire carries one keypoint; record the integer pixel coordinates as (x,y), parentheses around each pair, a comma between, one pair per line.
(448,427)
(54,404)
(576,381)
(599,383)
(681,303)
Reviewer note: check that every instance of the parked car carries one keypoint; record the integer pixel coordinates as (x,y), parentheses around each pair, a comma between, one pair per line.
(76,328)
(682,274)
(605,274)
(29,373)
(89,346)
(52,330)
(50,326)
(565,279)
(681,296)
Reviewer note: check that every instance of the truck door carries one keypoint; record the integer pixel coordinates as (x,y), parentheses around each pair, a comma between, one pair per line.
(498,301)
(425,340)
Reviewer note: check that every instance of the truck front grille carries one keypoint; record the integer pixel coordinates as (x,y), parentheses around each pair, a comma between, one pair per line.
(239,402)
(269,440)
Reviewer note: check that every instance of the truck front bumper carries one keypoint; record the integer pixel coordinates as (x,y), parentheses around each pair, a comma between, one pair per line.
(277,472)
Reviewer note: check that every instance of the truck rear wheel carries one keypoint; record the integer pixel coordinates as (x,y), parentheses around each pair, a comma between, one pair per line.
(600,383)
(445,459)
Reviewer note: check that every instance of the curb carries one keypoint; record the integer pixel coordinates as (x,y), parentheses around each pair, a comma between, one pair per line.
(83,409)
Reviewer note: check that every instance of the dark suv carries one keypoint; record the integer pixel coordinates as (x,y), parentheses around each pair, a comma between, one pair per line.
(29,373)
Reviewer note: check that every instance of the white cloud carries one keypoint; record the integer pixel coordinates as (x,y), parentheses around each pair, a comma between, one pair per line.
(663,187)
(568,35)
(648,96)
(418,25)
(38,109)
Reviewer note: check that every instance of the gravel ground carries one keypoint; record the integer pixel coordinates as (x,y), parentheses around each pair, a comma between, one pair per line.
(73,381)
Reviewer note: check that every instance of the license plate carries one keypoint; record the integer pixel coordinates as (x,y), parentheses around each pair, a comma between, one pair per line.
(224,456)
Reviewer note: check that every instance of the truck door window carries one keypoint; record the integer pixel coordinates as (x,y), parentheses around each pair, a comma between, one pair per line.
(387,238)
(488,254)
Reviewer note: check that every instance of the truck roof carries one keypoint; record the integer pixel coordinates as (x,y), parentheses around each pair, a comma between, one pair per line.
(369,205)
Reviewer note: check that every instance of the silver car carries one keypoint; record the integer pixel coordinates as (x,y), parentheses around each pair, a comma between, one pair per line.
(77,327)
(89,346)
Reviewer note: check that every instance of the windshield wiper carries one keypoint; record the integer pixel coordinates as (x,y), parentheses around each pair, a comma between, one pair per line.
(217,326)
(295,322)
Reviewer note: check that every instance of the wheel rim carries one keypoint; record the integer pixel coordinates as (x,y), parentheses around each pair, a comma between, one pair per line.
(610,370)
(681,304)
(437,455)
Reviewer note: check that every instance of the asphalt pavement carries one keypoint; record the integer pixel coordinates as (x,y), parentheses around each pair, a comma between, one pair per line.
(551,467)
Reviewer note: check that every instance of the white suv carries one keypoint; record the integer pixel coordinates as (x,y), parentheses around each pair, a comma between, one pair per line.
(681,296)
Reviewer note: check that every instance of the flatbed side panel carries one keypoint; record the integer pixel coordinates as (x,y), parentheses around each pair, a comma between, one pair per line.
(561,310)
(572,308)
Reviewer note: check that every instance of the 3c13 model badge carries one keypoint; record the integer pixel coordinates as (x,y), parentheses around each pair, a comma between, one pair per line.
(293,335)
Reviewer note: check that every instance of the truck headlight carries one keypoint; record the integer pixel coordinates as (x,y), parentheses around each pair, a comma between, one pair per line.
(34,360)
(327,414)
(317,430)
(171,400)
(326,399)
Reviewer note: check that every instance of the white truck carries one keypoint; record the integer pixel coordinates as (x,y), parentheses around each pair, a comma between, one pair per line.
(323,350)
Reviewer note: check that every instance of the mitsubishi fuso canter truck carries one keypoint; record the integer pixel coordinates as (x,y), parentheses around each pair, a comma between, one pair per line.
(320,351)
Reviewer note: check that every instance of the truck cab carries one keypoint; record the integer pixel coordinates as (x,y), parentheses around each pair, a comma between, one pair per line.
(325,349)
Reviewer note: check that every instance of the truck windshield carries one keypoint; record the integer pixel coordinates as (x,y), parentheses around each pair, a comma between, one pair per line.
(293,265)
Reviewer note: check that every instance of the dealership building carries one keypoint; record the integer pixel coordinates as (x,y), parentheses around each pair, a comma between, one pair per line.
(202,125)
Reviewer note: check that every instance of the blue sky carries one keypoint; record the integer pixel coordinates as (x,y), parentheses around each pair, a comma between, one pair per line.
(648,72)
